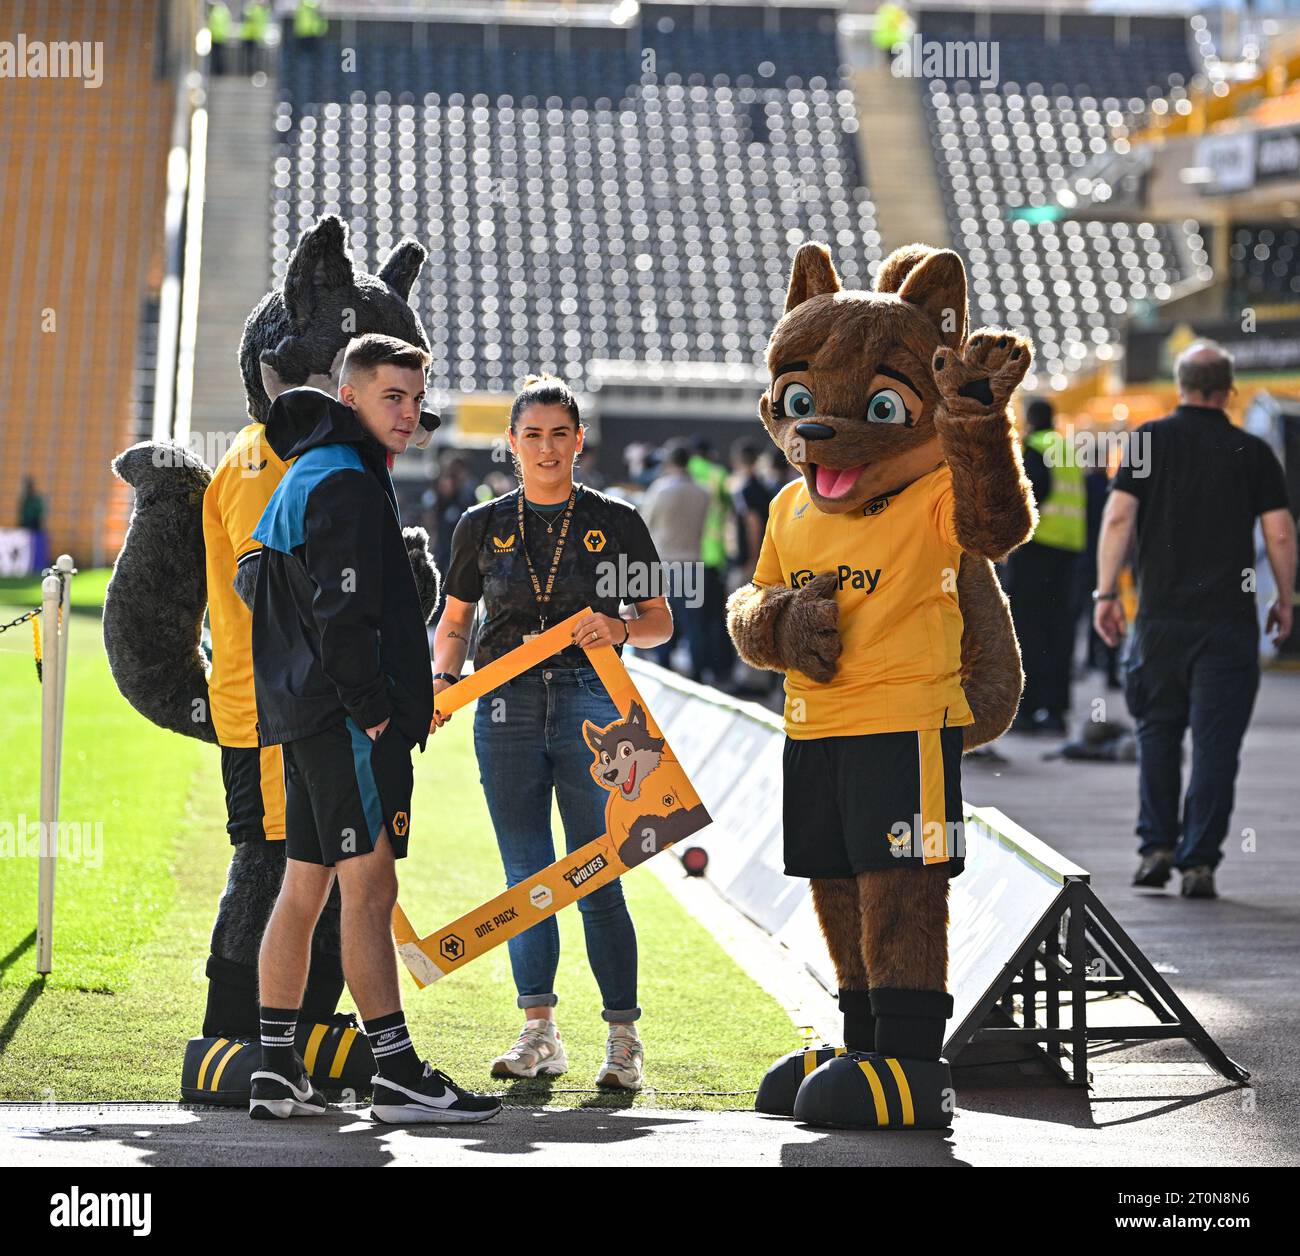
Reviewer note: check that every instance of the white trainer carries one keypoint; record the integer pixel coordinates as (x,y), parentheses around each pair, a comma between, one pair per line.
(624,1066)
(537,1052)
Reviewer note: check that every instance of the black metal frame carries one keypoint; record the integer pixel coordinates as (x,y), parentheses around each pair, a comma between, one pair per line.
(1078,948)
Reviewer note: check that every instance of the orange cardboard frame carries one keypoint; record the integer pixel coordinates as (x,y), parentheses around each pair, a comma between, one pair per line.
(672,811)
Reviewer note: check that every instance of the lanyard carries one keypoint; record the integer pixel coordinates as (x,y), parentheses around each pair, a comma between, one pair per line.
(544,596)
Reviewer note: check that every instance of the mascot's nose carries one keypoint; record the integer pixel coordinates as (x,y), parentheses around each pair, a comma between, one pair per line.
(814,431)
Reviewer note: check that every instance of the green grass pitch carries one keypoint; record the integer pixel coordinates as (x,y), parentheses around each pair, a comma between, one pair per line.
(133,913)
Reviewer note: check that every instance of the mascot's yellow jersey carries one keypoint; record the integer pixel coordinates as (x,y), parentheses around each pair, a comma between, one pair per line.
(897,559)
(233,503)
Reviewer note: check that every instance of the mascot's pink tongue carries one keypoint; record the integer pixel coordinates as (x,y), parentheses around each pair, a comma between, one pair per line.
(835,482)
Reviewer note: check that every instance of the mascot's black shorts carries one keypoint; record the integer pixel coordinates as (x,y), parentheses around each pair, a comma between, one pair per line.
(341,789)
(879,800)
(254,781)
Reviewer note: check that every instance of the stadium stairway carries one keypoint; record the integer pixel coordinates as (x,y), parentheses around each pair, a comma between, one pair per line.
(893,146)
(234,272)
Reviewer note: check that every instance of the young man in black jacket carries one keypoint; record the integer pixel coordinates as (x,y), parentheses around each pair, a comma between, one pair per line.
(343,681)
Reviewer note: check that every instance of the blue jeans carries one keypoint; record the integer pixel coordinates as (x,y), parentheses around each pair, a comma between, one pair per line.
(528,738)
(1202,674)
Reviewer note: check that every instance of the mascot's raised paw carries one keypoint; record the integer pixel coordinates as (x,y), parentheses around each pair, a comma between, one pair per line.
(780,1084)
(979,377)
(807,633)
(869,1091)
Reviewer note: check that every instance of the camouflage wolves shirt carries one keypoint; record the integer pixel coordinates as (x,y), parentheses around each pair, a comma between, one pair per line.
(608,558)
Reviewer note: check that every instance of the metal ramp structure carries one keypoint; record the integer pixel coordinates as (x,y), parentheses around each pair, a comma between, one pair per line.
(1076,949)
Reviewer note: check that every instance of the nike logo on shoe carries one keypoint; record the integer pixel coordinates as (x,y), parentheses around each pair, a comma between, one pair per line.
(444,1100)
(301,1095)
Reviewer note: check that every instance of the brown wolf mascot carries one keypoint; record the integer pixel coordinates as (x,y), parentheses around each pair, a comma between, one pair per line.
(875,594)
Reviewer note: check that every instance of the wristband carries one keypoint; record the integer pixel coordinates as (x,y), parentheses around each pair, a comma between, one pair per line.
(1103,597)
(447,676)
(627,632)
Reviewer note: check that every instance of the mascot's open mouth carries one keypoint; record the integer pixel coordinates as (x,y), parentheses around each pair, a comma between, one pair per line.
(833,482)
(631,779)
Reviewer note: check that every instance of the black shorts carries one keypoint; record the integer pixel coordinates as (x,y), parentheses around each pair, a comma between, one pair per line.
(254,781)
(880,800)
(342,789)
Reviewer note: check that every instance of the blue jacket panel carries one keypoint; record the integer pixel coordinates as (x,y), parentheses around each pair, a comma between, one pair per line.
(337,625)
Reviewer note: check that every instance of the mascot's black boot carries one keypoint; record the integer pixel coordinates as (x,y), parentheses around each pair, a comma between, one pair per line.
(218,1066)
(903,1084)
(781,1083)
(337,1054)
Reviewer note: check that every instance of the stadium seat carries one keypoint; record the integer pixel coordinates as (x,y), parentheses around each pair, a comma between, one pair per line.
(580,205)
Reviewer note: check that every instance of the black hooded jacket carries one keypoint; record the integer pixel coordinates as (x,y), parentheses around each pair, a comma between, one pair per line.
(337,627)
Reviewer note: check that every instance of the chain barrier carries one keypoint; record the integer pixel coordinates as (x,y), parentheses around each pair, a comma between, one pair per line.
(34,616)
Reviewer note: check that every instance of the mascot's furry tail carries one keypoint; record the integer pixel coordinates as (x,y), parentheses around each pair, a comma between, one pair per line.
(991,674)
(153,607)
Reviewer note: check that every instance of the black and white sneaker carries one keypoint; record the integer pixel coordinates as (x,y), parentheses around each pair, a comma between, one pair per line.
(435,1100)
(274,1095)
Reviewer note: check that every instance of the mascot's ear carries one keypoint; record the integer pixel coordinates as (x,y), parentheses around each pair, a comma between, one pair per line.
(934,280)
(812,275)
(319,263)
(402,266)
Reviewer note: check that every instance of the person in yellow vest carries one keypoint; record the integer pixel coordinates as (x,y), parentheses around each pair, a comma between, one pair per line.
(1043,574)
(307,20)
(893,26)
(717,656)
(219,30)
(252,35)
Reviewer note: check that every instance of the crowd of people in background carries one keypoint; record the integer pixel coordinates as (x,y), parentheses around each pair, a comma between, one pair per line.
(241,34)
(706,517)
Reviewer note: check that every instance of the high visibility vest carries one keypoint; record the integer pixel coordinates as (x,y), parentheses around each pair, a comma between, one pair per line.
(1063,517)
(713,543)
(219,23)
(891,26)
(307,20)
(253,26)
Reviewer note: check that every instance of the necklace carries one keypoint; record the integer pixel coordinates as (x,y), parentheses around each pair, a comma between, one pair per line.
(550,524)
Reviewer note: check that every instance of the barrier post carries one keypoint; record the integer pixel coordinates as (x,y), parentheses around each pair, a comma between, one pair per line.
(64,565)
(56,596)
